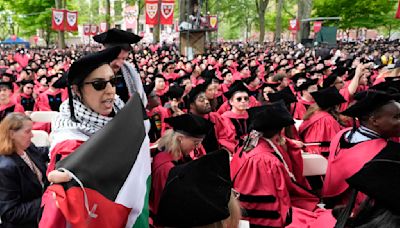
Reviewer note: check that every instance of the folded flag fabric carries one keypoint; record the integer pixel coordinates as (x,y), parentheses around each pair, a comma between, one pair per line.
(112,174)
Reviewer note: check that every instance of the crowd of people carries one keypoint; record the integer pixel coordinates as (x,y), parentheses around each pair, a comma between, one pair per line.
(227,129)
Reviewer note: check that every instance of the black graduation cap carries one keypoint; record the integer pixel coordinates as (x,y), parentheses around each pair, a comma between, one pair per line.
(368,101)
(184,77)
(390,85)
(208,74)
(7,84)
(270,117)
(25,82)
(11,76)
(237,86)
(149,88)
(340,71)
(328,97)
(84,66)
(225,73)
(285,94)
(250,79)
(194,92)
(379,178)
(61,83)
(330,80)
(306,84)
(190,125)
(175,92)
(297,76)
(271,85)
(44,76)
(117,37)
(196,193)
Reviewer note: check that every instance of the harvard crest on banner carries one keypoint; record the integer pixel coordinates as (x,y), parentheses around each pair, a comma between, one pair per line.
(151,12)
(167,12)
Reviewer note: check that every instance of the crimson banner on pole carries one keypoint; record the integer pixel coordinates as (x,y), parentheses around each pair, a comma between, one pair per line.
(130,17)
(167,12)
(213,21)
(151,12)
(93,30)
(294,25)
(317,26)
(58,19)
(86,30)
(103,27)
(72,21)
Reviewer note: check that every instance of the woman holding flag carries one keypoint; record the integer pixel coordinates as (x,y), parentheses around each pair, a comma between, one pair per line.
(86,138)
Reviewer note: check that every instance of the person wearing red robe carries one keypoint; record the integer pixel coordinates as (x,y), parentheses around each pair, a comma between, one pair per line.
(236,118)
(199,105)
(227,77)
(304,98)
(266,176)
(351,148)
(319,125)
(81,118)
(25,95)
(7,104)
(51,99)
(186,134)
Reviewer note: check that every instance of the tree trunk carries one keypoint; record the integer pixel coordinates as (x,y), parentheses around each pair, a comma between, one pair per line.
(108,14)
(304,11)
(261,6)
(157,27)
(61,35)
(182,11)
(278,28)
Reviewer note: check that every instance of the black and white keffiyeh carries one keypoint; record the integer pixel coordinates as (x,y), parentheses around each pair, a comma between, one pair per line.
(88,121)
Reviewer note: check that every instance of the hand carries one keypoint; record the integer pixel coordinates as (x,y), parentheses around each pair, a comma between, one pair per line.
(298,144)
(56,177)
(360,70)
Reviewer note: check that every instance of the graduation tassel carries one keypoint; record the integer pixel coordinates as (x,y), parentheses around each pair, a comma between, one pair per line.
(71,103)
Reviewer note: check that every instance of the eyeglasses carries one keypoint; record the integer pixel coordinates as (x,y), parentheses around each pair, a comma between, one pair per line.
(101,84)
(239,99)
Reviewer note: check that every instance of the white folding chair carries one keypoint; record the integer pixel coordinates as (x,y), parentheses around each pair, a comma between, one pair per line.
(40,138)
(43,116)
(314,164)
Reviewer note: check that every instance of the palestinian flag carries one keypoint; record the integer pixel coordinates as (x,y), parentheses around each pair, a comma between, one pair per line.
(112,174)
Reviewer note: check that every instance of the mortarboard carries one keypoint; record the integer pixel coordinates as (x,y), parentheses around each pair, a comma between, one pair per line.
(190,125)
(7,85)
(84,66)
(175,92)
(117,37)
(285,94)
(196,193)
(270,116)
(297,76)
(25,82)
(330,80)
(194,92)
(237,86)
(368,101)
(328,97)
(306,84)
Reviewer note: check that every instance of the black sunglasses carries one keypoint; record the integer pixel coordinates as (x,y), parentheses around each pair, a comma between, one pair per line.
(101,84)
(239,99)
